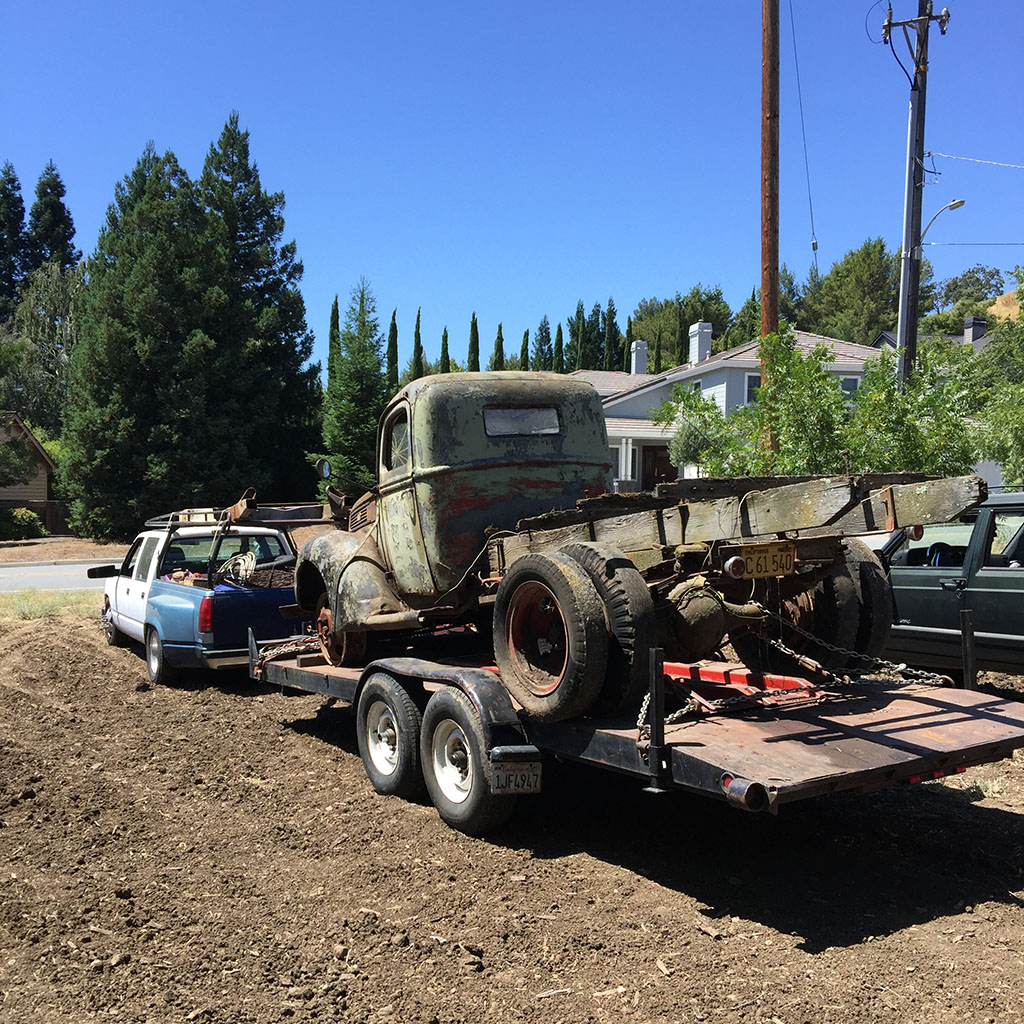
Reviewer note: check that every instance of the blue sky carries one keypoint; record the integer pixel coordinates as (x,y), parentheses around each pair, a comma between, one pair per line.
(510,159)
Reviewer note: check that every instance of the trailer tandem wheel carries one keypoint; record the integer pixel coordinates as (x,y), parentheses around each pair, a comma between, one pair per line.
(550,640)
(456,769)
(388,733)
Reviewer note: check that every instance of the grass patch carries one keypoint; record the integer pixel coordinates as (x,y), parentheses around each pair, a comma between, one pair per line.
(46,604)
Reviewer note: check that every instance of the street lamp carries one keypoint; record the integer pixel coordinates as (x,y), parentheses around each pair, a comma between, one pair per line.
(910,278)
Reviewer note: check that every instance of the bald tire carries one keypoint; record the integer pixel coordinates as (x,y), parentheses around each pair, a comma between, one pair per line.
(550,640)
(875,605)
(629,613)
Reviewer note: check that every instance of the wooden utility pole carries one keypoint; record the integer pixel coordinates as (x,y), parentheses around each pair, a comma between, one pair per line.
(769,167)
(769,188)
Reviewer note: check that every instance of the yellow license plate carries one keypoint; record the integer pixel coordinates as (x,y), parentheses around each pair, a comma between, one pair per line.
(763,560)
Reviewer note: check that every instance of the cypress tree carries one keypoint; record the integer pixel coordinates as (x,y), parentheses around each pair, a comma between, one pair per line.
(657,353)
(356,394)
(446,365)
(557,357)
(611,338)
(542,354)
(581,344)
(473,355)
(682,335)
(627,358)
(51,231)
(333,340)
(498,359)
(13,241)
(417,351)
(393,354)
(524,351)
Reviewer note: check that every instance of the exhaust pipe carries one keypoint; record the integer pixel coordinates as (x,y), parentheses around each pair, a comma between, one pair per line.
(744,794)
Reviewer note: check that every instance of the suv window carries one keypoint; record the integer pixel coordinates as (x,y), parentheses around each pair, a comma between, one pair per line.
(1005,548)
(943,545)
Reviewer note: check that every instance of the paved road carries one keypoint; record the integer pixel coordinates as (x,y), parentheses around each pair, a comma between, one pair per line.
(47,577)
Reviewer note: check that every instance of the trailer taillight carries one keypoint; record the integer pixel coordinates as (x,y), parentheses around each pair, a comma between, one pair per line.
(206,615)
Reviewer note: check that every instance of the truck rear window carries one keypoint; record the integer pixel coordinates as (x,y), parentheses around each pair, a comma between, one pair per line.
(504,422)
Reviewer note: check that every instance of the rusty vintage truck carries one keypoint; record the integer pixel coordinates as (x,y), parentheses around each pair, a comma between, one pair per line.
(492,512)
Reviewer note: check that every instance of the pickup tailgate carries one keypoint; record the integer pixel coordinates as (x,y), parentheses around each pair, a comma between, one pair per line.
(236,610)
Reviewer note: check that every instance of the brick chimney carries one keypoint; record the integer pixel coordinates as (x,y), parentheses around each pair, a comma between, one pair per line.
(974,329)
(700,342)
(638,357)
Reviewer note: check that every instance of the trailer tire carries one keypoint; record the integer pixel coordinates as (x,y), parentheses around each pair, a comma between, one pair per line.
(388,733)
(160,673)
(453,751)
(629,611)
(550,640)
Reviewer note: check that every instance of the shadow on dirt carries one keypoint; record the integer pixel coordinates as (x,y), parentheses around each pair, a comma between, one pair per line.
(833,871)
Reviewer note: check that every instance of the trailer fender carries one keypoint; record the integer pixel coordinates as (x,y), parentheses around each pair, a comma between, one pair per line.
(498,716)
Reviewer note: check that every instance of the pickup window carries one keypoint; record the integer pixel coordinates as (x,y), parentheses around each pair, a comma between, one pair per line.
(192,554)
(499,422)
(131,560)
(146,558)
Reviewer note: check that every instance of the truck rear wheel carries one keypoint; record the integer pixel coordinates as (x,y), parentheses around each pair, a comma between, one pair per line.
(388,733)
(550,640)
(629,610)
(455,765)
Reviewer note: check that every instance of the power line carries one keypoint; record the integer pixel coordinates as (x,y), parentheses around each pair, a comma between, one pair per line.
(803,133)
(976,160)
(972,243)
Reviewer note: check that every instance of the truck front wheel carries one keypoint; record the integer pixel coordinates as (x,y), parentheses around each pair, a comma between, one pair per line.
(337,648)
(550,639)
(456,768)
(388,732)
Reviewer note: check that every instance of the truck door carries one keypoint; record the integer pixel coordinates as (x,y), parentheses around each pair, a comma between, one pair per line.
(929,582)
(398,520)
(995,590)
(133,585)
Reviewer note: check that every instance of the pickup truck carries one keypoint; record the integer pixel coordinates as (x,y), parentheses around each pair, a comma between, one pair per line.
(976,563)
(190,589)
(491,514)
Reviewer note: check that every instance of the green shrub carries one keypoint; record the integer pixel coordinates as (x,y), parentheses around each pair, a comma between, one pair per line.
(20,524)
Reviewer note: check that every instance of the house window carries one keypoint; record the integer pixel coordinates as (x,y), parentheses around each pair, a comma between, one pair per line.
(753,383)
(849,386)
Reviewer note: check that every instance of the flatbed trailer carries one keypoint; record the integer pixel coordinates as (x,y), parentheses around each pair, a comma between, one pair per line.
(756,741)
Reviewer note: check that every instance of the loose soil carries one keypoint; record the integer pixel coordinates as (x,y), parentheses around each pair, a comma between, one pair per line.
(214,852)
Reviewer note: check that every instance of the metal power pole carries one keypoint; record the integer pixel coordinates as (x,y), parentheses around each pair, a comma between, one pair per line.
(910,252)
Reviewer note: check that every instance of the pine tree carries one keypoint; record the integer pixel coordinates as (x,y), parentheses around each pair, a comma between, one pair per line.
(393,354)
(356,394)
(473,356)
(557,358)
(524,351)
(417,350)
(13,241)
(153,422)
(51,231)
(446,364)
(542,355)
(263,321)
(498,358)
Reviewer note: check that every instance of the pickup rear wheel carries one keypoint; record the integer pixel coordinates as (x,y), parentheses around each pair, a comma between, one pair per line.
(337,648)
(388,732)
(156,663)
(629,610)
(455,765)
(550,640)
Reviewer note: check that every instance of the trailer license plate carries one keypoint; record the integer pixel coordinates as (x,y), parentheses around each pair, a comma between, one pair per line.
(763,560)
(512,777)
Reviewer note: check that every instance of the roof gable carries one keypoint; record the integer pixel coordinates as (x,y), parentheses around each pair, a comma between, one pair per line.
(16,425)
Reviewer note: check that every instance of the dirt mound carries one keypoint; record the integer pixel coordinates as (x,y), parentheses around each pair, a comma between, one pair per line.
(214,852)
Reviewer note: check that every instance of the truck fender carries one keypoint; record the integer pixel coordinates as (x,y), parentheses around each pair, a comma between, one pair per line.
(492,702)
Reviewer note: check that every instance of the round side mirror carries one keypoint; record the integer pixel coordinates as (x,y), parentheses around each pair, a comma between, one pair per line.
(323,468)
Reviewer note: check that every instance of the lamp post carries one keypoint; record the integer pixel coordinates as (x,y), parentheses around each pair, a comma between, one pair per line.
(910,276)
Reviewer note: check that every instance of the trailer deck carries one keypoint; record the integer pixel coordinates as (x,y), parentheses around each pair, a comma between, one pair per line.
(791,741)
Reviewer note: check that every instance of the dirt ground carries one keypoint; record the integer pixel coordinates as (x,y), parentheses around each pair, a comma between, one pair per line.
(214,852)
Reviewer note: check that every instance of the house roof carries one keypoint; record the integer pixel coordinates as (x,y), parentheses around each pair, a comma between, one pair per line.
(846,355)
(609,382)
(15,424)
(638,428)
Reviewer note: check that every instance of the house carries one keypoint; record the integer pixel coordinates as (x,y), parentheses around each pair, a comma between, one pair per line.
(640,446)
(35,493)
(975,334)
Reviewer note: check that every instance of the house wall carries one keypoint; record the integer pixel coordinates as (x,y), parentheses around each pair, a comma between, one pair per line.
(34,490)
(640,406)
